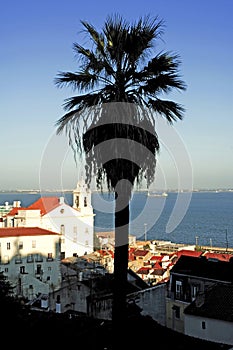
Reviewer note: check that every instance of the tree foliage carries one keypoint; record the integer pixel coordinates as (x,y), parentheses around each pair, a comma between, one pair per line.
(120,64)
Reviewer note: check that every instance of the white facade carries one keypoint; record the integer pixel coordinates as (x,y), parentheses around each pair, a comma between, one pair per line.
(218,331)
(30,259)
(75,224)
(76,228)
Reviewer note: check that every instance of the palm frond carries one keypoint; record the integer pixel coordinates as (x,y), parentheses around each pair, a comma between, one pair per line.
(171,110)
(78,81)
(163,82)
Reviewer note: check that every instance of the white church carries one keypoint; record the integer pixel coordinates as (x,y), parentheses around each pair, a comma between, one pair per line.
(74,223)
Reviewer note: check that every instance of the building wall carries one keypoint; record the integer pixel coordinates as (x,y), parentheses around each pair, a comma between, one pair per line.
(72,294)
(175,318)
(77,229)
(153,302)
(31,263)
(215,330)
(26,218)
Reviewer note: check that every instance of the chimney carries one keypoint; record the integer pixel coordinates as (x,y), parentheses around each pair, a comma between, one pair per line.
(61,200)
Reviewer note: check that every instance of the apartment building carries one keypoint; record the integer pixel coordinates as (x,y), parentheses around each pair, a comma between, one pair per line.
(195,303)
(30,259)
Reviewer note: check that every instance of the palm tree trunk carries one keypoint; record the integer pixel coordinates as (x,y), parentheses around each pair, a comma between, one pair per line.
(119,309)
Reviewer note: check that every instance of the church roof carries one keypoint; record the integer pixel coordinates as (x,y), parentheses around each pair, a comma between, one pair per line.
(45,204)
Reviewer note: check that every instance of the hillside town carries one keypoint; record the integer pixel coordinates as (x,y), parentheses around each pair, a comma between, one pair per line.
(56,262)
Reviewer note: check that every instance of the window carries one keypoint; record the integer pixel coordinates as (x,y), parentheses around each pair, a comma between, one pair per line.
(194,292)
(18,259)
(177,313)
(203,325)
(38,257)
(20,245)
(77,201)
(30,258)
(179,289)
(62,229)
(8,246)
(33,244)
(38,270)
(85,201)
(22,269)
(176,310)
(50,257)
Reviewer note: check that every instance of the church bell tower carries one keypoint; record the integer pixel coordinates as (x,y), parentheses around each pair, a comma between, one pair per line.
(82,198)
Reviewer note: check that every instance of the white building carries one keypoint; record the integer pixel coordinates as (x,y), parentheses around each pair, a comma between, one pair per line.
(75,224)
(210,316)
(30,259)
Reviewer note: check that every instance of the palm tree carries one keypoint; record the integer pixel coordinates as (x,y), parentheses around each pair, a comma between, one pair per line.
(112,119)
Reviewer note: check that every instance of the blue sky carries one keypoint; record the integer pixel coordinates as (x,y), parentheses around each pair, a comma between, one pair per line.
(36,43)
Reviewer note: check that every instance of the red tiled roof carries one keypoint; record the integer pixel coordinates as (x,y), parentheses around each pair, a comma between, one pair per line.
(131,254)
(218,256)
(140,252)
(45,204)
(156,258)
(103,252)
(157,266)
(143,270)
(158,272)
(188,252)
(24,231)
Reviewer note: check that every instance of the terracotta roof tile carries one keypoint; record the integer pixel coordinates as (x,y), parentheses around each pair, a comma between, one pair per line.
(218,256)
(45,204)
(140,252)
(24,231)
(188,252)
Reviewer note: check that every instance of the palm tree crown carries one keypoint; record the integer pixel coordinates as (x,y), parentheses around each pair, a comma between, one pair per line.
(118,67)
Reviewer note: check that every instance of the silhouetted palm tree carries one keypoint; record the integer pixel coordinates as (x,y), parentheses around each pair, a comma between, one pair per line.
(119,83)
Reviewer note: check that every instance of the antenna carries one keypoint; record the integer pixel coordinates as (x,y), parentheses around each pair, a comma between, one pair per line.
(226,240)
(145,231)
